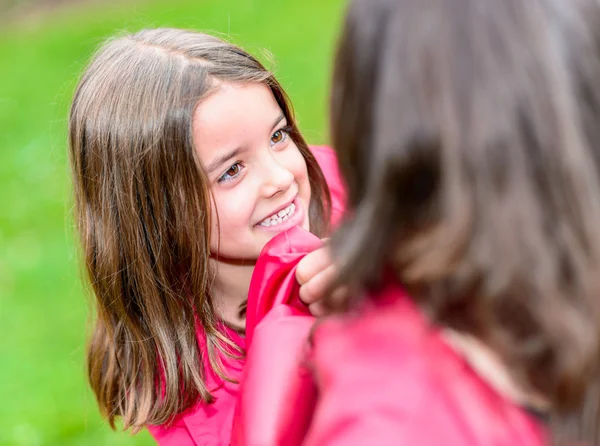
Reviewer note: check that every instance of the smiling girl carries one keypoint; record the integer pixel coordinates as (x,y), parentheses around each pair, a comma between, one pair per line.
(186,161)
(259,189)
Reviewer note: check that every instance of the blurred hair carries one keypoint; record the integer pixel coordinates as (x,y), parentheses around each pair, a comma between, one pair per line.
(142,211)
(468,132)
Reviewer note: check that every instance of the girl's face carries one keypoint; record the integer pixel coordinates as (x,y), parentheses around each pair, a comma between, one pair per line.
(256,173)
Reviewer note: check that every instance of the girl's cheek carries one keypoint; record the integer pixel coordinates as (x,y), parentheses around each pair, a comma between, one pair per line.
(295,163)
(235,206)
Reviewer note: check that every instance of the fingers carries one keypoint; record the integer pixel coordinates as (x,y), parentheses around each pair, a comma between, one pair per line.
(316,273)
(312,264)
(317,286)
(317,309)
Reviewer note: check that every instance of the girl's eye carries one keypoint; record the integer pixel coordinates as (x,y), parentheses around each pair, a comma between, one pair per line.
(280,136)
(231,173)
(277,137)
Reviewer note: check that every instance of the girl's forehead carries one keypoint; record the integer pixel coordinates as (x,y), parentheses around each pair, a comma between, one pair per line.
(232,97)
(234,115)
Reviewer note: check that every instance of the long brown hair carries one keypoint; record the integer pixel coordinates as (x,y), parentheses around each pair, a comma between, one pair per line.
(468,132)
(142,212)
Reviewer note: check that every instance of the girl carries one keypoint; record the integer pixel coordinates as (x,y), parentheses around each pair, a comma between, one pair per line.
(468,134)
(186,161)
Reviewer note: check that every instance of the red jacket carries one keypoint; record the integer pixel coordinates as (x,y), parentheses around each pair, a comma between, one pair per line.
(384,377)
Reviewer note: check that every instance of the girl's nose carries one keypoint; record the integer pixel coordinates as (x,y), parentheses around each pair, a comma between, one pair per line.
(276,179)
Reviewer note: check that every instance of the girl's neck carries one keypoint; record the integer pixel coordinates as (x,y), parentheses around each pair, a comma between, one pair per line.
(489,366)
(230,290)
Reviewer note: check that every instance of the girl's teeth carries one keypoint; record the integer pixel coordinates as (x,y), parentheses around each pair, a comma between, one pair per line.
(280,217)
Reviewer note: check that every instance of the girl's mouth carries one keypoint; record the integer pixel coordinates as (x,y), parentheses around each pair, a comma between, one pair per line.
(290,216)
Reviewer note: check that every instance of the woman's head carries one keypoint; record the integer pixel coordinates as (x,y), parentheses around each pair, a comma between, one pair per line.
(181,145)
(468,135)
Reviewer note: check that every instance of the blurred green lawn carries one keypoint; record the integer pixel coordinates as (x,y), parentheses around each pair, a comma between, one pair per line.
(44,310)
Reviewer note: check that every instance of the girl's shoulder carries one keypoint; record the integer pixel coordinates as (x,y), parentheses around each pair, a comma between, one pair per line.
(322,150)
(327,159)
(202,424)
(208,424)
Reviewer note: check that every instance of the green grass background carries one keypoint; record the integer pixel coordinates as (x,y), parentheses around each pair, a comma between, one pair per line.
(44,308)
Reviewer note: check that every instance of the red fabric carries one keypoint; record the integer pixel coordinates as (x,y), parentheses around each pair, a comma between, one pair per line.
(273,280)
(388,377)
(211,425)
(277,324)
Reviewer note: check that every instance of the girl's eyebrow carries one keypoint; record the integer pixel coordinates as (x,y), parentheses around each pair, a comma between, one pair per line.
(218,161)
(278,120)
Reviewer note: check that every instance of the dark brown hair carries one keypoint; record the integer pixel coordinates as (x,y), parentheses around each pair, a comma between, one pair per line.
(468,132)
(142,212)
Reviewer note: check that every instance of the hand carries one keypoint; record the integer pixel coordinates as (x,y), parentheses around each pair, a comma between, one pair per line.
(315,274)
